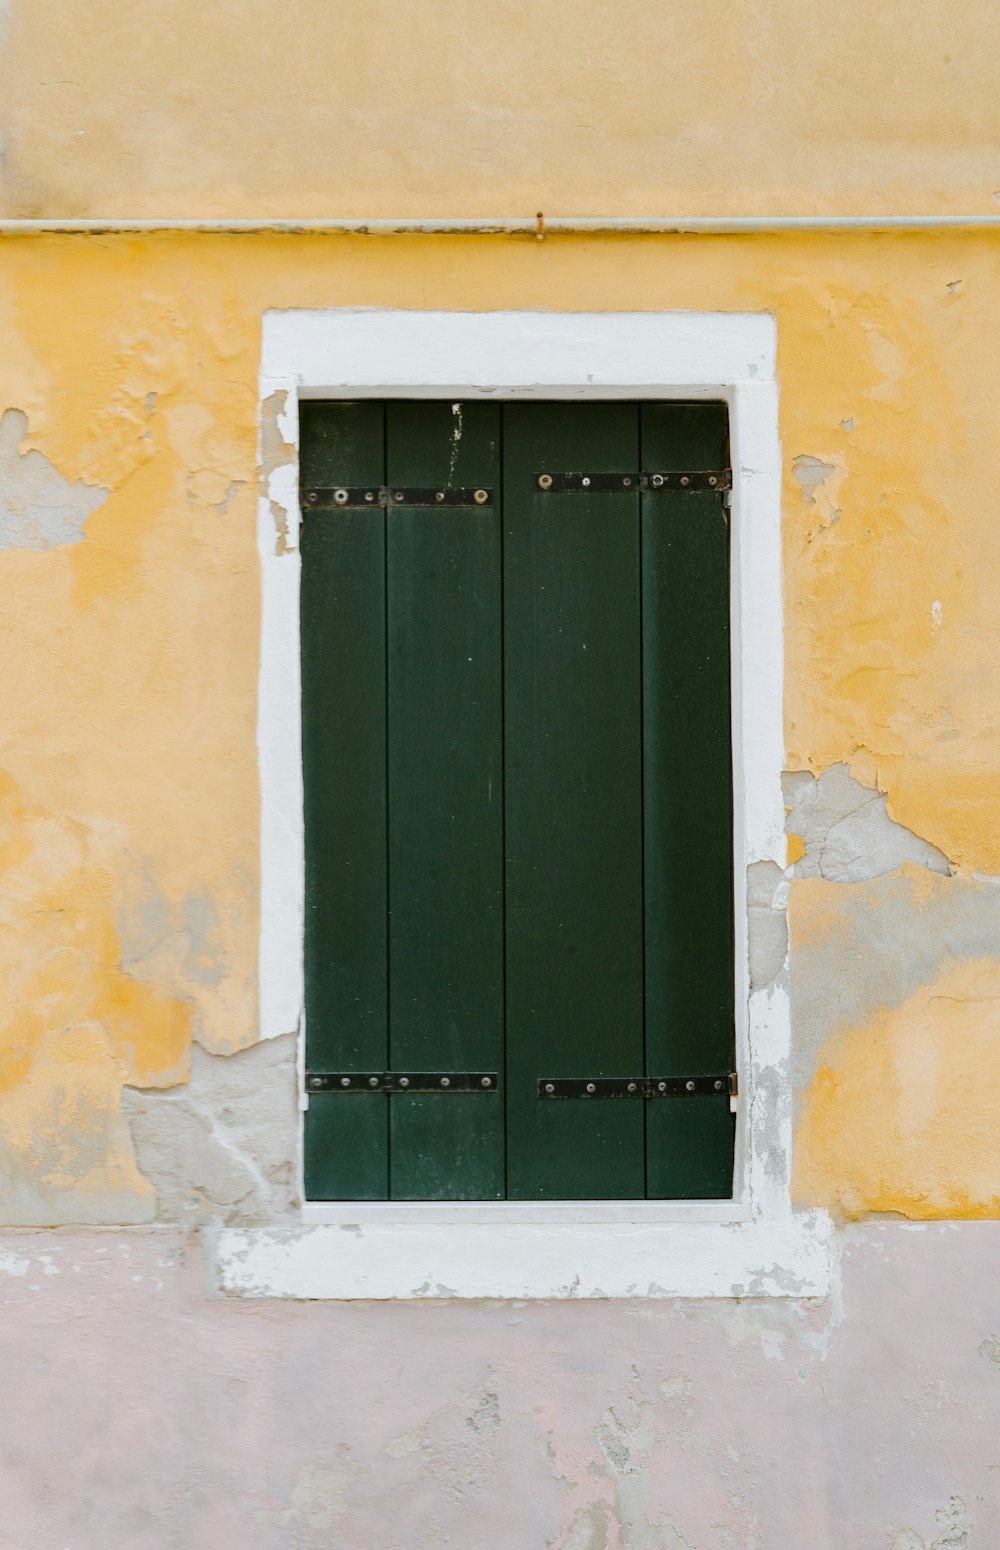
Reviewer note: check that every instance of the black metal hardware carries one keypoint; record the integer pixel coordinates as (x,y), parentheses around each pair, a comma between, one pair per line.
(638,1086)
(690,479)
(402,1081)
(340,496)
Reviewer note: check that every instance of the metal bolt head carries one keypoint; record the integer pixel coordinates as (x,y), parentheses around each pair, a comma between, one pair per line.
(439,496)
(315,1081)
(446,1081)
(545,481)
(340,497)
(369,495)
(632,1087)
(486,1082)
(550,1087)
(345,1081)
(312,498)
(585,482)
(657,481)
(404,1081)
(718,1087)
(397,495)
(591,1088)
(481,497)
(661,1087)
(373,1081)
(685,479)
(712,479)
(626,482)
(689,1086)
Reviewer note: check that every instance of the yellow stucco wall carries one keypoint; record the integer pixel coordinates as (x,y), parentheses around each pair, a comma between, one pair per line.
(455,107)
(128,804)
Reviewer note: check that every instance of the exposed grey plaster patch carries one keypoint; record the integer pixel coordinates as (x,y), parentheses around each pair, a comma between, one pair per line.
(767,1116)
(39,508)
(176,945)
(486,1413)
(222,1147)
(767,923)
(955,1528)
(878,946)
(847,832)
(849,423)
(808,472)
(989,1350)
(319,1497)
(588,1529)
(235,486)
(627,1448)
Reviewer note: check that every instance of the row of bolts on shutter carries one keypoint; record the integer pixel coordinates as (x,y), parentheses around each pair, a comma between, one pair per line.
(545,481)
(341,496)
(404,1081)
(633,1087)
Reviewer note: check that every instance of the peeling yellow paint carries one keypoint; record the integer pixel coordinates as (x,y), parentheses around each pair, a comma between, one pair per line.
(129,722)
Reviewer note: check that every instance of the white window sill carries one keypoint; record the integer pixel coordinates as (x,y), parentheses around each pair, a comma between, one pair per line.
(518,1252)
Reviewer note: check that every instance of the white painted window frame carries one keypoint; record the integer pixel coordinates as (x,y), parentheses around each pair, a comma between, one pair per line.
(753,1245)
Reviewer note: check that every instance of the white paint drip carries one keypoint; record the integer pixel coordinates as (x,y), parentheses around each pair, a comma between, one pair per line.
(456,437)
(935,615)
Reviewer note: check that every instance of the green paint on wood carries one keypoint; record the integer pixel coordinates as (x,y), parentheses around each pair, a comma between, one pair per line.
(518,801)
(344,752)
(445,786)
(688,802)
(574,802)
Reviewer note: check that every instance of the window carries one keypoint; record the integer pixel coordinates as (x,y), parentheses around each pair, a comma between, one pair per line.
(753,1244)
(518,800)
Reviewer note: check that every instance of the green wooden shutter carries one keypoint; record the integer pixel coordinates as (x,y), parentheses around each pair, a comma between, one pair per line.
(688,802)
(573,707)
(344,759)
(518,800)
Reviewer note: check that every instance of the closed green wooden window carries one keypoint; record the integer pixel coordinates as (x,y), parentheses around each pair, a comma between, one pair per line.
(518,800)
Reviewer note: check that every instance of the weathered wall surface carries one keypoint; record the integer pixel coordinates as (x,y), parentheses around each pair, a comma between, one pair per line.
(137,1109)
(452,107)
(129,592)
(139,1415)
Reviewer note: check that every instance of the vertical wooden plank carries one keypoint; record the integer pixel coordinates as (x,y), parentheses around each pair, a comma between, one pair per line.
(343,751)
(688,802)
(573,805)
(445,800)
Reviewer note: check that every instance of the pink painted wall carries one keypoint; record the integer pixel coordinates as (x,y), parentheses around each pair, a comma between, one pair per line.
(138,1415)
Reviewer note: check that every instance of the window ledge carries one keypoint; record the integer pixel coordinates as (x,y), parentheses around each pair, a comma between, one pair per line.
(517,1254)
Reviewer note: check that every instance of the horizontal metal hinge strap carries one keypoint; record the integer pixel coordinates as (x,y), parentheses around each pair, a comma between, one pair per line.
(402,1081)
(337,497)
(638,1086)
(686,479)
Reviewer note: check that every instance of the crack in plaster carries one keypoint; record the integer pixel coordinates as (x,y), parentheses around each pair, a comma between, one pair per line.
(39,507)
(222,1147)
